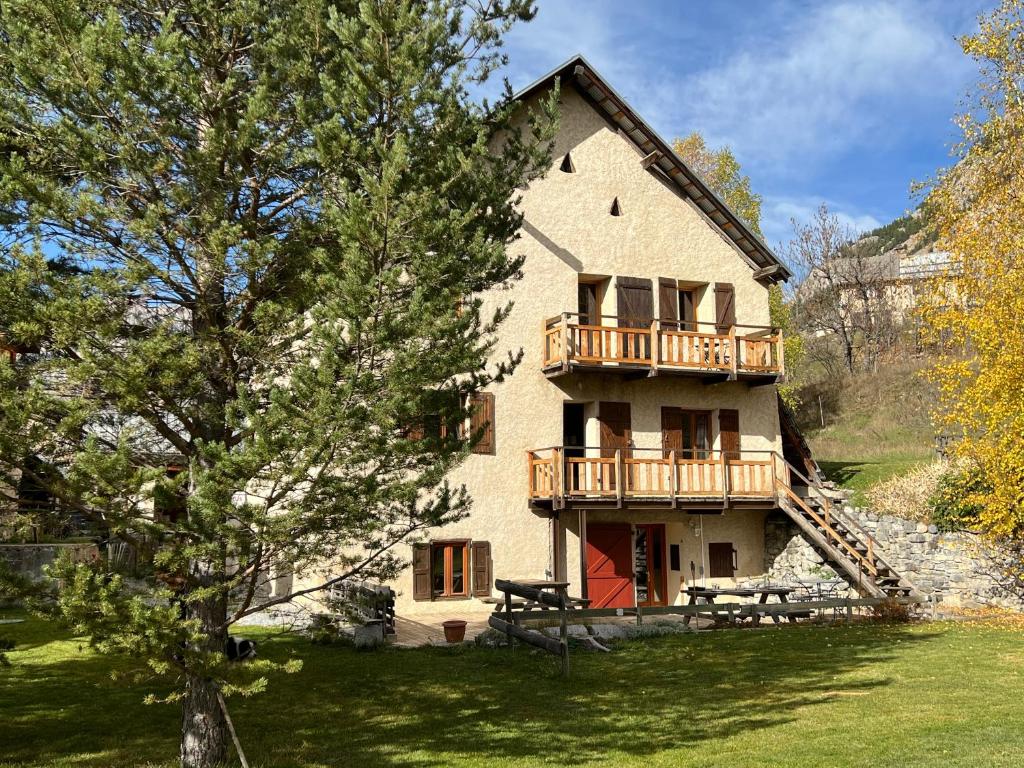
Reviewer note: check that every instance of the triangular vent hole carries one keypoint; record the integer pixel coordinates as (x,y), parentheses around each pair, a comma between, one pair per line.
(567,166)
(616,209)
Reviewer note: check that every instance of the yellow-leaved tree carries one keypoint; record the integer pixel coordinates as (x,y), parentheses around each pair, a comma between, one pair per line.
(976,311)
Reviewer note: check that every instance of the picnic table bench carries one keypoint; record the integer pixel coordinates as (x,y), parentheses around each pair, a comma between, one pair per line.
(709,594)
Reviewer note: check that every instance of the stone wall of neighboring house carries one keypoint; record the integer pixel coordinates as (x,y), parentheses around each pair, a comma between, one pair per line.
(960,567)
(31,560)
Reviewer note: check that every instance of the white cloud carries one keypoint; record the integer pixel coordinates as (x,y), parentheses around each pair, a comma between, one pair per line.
(844,74)
(777,214)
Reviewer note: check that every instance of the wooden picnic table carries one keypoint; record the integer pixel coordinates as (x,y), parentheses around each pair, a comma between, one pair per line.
(558,587)
(710,593)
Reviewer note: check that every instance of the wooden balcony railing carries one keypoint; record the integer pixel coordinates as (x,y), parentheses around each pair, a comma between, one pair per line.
(582,473)
(661,345)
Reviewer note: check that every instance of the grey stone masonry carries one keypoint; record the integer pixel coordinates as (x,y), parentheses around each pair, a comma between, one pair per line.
(960,568)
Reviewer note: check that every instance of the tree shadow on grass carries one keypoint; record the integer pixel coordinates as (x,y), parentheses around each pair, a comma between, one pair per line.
(445,706)
(842,472)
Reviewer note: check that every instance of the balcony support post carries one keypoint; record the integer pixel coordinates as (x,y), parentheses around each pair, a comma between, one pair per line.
(556,479)
(673,479)
(725,479)
(564,337)
(782,352)
(619,479)
(655,348)
(734,356)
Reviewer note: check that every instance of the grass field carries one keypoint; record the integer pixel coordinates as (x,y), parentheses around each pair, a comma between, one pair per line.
(865,695)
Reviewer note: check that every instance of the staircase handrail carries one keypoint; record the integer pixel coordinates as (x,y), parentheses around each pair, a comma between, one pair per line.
(855,529)
(826,525)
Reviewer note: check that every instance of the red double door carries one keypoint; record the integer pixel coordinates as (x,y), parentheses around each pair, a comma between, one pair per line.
(610,563)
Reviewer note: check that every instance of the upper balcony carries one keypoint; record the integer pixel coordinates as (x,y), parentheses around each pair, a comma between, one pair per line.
(694,479)
(658,347)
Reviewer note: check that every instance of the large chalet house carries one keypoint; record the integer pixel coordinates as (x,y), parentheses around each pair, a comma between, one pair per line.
(638,448)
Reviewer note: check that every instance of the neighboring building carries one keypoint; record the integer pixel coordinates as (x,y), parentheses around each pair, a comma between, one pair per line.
(638,446)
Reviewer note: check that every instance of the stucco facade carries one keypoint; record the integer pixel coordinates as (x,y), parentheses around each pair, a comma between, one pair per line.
(569,233)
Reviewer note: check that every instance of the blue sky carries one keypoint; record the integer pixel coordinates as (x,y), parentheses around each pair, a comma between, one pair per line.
(840,102)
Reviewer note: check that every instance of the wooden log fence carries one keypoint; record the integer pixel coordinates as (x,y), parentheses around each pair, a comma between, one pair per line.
(504,619)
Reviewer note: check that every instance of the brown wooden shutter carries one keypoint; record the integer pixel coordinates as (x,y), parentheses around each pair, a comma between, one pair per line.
(616,428)
(720,560)
(668,301)
(636,302)
(421,572)
(482,418)
(482,575)
(672,431)
(725,307)
(729,432)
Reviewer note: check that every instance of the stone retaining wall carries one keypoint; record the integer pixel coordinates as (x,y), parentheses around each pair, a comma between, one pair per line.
(960,567)
(30,560)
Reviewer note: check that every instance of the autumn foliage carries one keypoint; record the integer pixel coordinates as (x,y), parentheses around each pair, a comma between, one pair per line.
(977,314)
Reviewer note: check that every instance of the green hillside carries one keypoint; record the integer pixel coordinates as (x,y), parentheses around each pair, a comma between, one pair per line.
(876,425)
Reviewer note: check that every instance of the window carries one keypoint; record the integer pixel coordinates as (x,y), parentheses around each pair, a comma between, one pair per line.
(721,560)
(687,310)
(451,569)
(169,502)
(448,569)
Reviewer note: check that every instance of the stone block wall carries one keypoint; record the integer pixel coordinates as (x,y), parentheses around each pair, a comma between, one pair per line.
(31,560)
(960,567)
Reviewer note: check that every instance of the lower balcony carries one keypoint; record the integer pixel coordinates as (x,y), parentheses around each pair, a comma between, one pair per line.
(747,353)
(560,476)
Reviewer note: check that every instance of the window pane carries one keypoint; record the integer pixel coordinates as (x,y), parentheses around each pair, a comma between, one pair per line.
(701,429)
(458,556)
(687,437)
(437,570)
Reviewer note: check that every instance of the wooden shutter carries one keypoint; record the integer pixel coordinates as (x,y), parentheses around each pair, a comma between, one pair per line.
(421,572)
(668,301)
(616,428)
(636,302)
(482,576)
(672,431)
(729,432)
(725,307)
(720,559)
(482,418)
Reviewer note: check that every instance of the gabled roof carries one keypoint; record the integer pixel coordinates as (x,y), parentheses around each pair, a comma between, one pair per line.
(659,157)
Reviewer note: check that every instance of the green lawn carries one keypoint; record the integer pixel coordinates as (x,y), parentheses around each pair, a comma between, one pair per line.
(858,475)
(867,695)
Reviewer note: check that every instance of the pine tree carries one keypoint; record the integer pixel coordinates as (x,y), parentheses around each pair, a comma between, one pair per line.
(280,214)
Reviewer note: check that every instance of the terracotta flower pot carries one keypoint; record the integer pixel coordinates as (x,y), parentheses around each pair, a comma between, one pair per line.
(454,630)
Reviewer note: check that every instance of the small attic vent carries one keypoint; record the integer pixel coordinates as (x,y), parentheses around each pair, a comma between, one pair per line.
(567,166)
(616,209)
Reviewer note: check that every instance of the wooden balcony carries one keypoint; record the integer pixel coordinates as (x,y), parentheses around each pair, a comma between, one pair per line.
(746,353)
(707,479)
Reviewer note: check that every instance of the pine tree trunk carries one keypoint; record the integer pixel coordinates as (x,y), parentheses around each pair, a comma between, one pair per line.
(204,738)
(204,735)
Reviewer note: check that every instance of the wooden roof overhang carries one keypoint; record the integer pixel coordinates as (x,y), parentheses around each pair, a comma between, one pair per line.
(658,157)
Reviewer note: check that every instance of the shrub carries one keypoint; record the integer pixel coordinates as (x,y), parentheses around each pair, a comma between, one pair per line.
(954,504)
(891,611)
(908,495)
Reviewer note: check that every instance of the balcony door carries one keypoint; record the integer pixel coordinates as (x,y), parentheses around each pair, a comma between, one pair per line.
(685,432)
(636,310)
(616,435)
(729,432)
(649,558)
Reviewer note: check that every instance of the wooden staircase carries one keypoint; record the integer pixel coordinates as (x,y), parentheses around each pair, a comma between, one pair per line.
(847,546)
